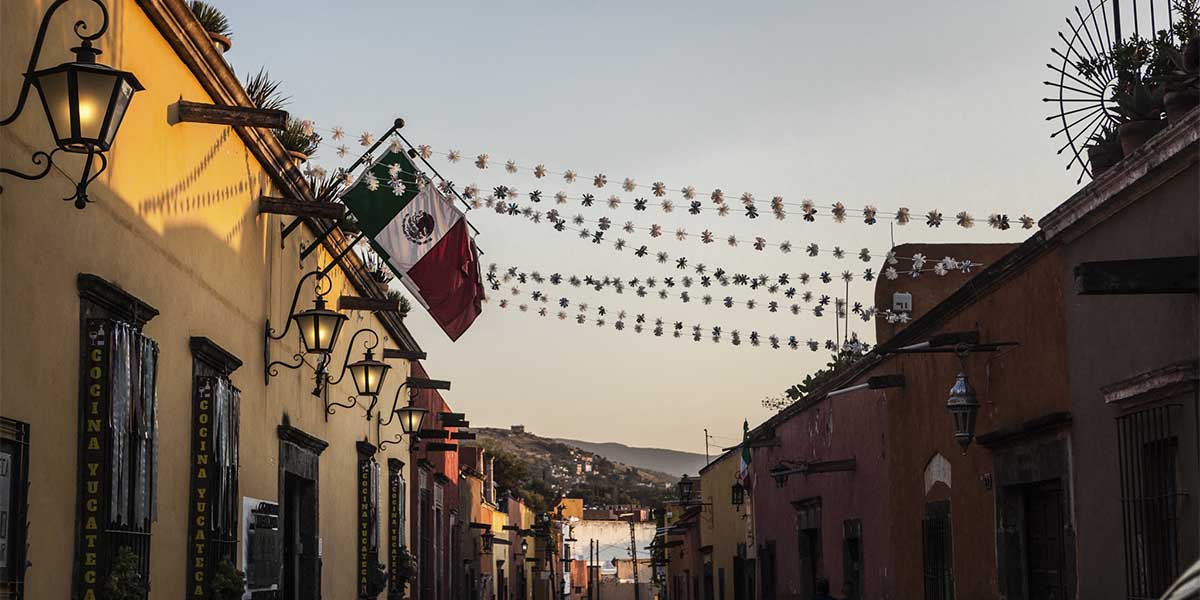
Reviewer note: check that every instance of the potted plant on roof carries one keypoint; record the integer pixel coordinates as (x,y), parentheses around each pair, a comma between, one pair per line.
(299,139)
(1178,61)
(1104,150)
(1138,102)
(214,22)
(405,305)
(228,582)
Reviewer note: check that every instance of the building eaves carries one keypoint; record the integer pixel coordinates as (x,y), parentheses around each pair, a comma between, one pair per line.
(1162,157)
(179,27)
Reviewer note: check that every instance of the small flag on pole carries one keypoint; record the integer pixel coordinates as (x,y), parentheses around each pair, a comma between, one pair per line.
(422,236)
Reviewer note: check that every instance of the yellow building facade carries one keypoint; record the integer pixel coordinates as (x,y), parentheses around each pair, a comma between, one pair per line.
(727,543)
(174,259)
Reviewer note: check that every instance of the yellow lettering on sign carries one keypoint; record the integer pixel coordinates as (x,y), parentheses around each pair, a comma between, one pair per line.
(89,559)
(93,425)
(93,443)
(93,468)
(89,595)
(199,591)
(91,505)
(200,521)
(93,487)
(91,524)
(89,577)
(202,473)
(91,540)
(97,355)
(202,459)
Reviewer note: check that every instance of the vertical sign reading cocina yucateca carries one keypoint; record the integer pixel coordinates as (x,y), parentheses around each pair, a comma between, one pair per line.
(395,586)
(199,562)
(92,472)
(364,524)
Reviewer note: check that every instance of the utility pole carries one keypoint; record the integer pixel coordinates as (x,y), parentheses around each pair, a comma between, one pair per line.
(591,583)
(637,591)
(706,445)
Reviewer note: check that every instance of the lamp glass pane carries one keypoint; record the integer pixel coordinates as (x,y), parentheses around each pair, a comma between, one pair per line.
(306,322)
(56,99)
(410,418)
(331,325)
(124,95)
(358,372)
(95,92)
(376,373)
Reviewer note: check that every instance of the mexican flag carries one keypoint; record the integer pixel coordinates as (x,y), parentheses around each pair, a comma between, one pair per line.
(422,236)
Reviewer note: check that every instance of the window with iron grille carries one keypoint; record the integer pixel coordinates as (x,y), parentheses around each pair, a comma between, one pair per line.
(1150,496)
(939,551)
(118,434)
(14,504)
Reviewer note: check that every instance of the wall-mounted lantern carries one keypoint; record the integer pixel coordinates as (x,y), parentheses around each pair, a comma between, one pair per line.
(367,373)
(410,416)
(685,485)
(84,101)
(780,474)
(963,405)
(524,546)
(318,326)
(737,494)
(487,538)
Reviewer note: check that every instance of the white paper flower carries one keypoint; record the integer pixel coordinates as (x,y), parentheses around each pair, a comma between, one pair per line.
(732,241)
(839,212)
(475,203)
(915,273)
(344,177)
(965,220)
(471,191)
(918,261)
(425,151)
(372,182)
(965,266)
(560,198)
(366,139)
(902,216)
(1027,222)
(342,151)
(659,188)
(539,171)
(667,206)
(777,203)
(337,133)
(706,237)
(600,180)
(689,192)
(748,199)
(398,187)
(569,176)
(779,213)
(628,185)
(394,170)
(681,234)
(318,172)
(940,269)
(510,166)
(446,187)
(718,197)
(903,317)
(869,214)
(614,202)
(481,161)
(512,192)
(891,257)
(628,227)
(306,127)
(949,264)
(453,156)
(723,210)
(891,273)
(655,231)
(395,147)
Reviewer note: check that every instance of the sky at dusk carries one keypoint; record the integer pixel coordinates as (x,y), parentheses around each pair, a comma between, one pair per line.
(918,104)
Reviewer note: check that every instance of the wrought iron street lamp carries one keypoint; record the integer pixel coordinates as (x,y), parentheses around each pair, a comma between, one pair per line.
(84,101)
(737,495)
(368,375)
(963,405)
(685,486)
(410,416)
(318,327)
(524,546)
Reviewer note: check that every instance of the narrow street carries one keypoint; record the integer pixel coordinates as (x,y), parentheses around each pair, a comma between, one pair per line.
(599,300)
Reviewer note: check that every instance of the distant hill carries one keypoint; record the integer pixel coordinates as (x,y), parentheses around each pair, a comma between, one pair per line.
(673,462)
(567,469)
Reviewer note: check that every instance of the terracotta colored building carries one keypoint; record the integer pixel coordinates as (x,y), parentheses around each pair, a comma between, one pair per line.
(435,475)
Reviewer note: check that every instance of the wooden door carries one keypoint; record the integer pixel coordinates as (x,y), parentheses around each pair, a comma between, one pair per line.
(1044,542)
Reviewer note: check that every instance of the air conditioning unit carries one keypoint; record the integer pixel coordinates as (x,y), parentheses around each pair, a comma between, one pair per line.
(902,302)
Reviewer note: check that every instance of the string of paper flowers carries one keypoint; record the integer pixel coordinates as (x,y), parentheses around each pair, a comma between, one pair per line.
(604,225)
(784,283)
(809,210)
(658,326)
(917,263)
(645,288)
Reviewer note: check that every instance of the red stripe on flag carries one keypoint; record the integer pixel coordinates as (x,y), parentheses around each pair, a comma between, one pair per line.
(450,283)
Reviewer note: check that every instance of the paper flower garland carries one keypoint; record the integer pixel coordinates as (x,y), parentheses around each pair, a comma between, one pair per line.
(366,139)
(599,180)
(481,161)
(453,156)
(628,185)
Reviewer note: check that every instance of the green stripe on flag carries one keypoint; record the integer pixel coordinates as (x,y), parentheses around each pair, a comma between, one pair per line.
(375,209)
